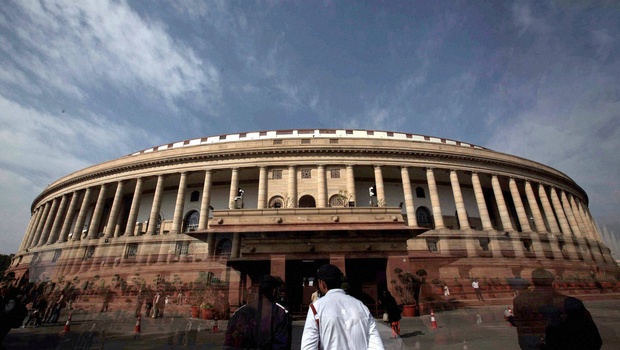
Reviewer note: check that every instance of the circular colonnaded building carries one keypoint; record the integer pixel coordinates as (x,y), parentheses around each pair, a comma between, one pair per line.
(231,208)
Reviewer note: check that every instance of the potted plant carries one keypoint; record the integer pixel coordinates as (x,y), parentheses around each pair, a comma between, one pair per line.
(206,311)
(408,289)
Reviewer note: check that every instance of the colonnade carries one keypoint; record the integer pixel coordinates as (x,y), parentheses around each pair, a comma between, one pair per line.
(557,216)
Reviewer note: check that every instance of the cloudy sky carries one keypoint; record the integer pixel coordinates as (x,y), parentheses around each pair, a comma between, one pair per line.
(82,82)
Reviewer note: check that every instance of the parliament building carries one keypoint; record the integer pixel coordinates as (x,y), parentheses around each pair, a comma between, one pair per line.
(233,207)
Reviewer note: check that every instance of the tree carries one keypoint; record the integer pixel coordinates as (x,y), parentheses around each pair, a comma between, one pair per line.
(5,262)
(409,288)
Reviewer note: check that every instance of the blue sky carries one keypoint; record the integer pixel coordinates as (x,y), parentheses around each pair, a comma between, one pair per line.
(82,82)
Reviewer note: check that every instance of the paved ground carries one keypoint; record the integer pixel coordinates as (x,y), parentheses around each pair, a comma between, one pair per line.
(457,329)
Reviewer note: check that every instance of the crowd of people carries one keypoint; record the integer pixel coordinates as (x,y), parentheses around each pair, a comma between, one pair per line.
(544,318)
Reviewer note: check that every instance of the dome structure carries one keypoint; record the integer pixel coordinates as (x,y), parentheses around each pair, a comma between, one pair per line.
(234,207)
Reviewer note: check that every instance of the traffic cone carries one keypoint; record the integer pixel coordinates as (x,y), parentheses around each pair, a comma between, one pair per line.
(216,328)
(433,321)
(136,329)
(67,327)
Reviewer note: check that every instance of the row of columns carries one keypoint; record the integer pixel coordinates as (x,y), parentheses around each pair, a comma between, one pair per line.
(565,214)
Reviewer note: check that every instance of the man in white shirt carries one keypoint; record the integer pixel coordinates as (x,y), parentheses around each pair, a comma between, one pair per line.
(337,320)
(477,290)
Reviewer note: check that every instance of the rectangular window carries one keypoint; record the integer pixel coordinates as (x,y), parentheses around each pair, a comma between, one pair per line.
(333,140)
(527,245)
(305,141)
(306,174)
(89,253)
(335,173)
(277,142)
(132,250)
(484,244)
(57,254)
(276,174)
(432,245)
(182,248)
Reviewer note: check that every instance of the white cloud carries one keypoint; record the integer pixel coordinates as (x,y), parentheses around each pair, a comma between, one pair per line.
(72,46)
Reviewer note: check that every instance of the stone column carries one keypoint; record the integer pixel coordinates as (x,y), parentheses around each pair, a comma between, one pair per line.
(66,225)
(135,208)
(58,220)
(567,234)
(157,197)
(351,183)
(595,231)
(236,245)
(116,206)
(262,188)
(292,187)
(412,220)
(559,211)
(81,219)
(459,202)
(577,216)
(94,222)
(531,199)
(234,188)
(553,224)
(432,190)
(177,219)
(203,221)
(584,219)
(516,198)
(538,221)
(33,230)
(482,205)
(569,215)
(501,205)
(321,187)
(381,200)
(41,224)
(51,216)
(33,218)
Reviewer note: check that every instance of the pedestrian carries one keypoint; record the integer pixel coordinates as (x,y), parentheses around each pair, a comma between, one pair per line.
(446,292)
(575,331)
(393,312)
(263,323)
(156,304)
(547,319)
(477,290)
(337,320)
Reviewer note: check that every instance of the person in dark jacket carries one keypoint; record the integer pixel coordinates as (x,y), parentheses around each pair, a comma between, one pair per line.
(575,331)
(393,311)
(264,324)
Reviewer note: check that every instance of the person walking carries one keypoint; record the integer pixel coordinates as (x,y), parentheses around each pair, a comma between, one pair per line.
(393,311)
(338,321)
(547,319)
(477,290)
(263,324)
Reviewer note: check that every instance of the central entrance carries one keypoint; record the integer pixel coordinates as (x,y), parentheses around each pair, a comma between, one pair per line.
(366,278)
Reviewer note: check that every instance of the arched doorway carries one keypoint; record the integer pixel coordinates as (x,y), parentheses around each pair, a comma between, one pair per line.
(307,201)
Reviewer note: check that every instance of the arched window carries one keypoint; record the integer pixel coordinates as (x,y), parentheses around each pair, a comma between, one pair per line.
(224,247)
(195,196)
(338,200)
(191,221)
(276,202)
(307,201)
(424,217)
(419,192)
